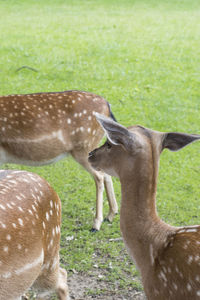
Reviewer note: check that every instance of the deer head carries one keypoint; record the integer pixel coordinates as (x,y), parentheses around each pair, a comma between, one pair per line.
(167,257)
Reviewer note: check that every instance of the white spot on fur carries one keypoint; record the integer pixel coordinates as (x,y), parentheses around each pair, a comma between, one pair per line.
(197,278)
(7,275)
(2,207)
(30,212)
(8,237)
(19,246)
(190,259)
(47,216)
(20,222)
(5,248)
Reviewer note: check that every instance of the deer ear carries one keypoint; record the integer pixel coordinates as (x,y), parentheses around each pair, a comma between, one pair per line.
(175,141)
(116,133)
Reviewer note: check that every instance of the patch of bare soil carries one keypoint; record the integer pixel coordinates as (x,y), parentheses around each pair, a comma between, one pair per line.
(86,287)
(93,285)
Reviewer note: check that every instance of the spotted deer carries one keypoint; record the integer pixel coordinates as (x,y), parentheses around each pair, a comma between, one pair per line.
(39,129)
(167,257)
(30,219)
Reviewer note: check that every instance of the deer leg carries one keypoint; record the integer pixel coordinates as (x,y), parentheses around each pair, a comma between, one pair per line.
(62,288)
(52,280)
(98,178)
(113,207)
(82,158)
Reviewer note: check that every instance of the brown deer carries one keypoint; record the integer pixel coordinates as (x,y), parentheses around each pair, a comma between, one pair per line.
(167,257)
(30,219)
(39,129)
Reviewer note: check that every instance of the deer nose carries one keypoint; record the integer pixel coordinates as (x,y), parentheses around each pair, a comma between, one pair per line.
(92,153)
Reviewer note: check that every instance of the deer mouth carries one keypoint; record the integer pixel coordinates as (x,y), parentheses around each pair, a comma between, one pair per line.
(91,156)
(92,161)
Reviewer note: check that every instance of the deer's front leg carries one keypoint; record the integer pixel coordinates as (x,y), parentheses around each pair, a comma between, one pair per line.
(113,207)
(99,181)
(81,158)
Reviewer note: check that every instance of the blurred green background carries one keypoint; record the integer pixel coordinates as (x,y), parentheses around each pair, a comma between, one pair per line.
(144,58)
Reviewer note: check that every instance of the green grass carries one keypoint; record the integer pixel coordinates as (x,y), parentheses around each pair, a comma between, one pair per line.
(143,56)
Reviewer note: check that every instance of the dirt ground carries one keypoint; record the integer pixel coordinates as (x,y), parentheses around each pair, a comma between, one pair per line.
(84,287)
(87,287)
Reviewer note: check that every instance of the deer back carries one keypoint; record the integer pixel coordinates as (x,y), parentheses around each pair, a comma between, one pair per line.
(30,216)
(41,128)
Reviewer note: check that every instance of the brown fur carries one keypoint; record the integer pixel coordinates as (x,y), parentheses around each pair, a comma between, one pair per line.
(30,219)
(38,129)
(167,257)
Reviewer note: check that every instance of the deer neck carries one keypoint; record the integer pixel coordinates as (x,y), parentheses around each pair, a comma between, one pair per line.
(142,230)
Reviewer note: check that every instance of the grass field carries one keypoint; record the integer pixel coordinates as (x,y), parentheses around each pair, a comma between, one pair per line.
(144,58)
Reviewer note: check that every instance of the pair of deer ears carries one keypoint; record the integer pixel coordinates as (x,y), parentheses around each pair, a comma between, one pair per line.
(119,135)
